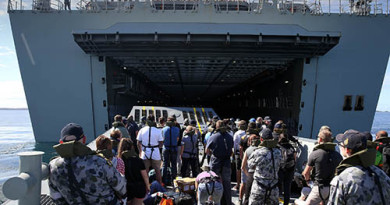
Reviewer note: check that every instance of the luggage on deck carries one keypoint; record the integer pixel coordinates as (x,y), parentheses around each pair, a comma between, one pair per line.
(186,185)
(174,198)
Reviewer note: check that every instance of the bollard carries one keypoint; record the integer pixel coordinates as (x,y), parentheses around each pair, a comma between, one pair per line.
(27,186)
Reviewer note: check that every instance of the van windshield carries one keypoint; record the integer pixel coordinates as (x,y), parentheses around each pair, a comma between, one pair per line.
(192,116)
(158,114)
(199,117)
(165,114)
(136,115)
(185,115)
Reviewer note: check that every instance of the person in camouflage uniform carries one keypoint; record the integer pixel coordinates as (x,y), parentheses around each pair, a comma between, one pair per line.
(357,180)
(79,176)
(266,162)
(118,124)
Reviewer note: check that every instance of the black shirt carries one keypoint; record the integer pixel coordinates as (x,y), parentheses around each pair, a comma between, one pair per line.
(324,163)
(132,128)
(133,167)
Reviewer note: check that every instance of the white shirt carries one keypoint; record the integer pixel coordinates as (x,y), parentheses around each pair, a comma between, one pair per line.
(237,138)
(155,138)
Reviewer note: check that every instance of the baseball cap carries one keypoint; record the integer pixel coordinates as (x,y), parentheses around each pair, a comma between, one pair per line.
(278,126)
(267,118)
(339,137)
(353,140)
(266,134)
(252,120)
(72,129)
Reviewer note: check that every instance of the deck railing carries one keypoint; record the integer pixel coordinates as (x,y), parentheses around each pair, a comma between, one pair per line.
(313,7)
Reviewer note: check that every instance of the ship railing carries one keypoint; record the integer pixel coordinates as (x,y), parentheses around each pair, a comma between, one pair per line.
(320,7)
(157,5)
(36,5)
(26,187)
(174,5)
(47,5)
(98,6)
(303,6)
(12,5)
(232,6)
(313,7)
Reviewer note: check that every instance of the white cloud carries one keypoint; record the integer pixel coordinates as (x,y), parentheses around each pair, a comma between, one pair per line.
(3,8)
(5,48)
(5,51)
(12,95)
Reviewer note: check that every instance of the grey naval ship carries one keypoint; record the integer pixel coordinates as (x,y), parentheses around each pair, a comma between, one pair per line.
(309,63)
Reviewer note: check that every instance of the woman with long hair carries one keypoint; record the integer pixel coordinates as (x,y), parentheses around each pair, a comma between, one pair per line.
(104,147)
(135,172)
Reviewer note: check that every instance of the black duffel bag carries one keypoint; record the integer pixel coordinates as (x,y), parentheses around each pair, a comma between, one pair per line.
(179,198)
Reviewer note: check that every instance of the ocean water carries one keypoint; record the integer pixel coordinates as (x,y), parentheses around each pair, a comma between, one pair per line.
(16,136)
(381,122)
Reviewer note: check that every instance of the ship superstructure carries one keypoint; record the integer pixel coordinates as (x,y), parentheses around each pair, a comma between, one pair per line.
(305,62)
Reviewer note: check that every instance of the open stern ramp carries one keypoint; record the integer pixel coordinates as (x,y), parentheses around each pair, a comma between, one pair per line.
(203,59)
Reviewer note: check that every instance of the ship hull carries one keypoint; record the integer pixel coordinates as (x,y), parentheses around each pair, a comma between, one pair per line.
(64,84)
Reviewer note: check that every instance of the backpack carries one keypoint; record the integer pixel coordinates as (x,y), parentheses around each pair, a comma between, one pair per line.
(210,180)
(288,159)
(152,174)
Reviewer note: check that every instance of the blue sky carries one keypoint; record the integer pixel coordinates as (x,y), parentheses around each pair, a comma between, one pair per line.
(11,87)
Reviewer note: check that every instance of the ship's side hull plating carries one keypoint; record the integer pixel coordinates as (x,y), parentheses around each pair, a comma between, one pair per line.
(64,84)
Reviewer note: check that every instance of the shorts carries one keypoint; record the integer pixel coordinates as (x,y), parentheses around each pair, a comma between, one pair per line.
(243,177)
(238,162)
(203,195)
(314,196)
(156,164)
(138,190)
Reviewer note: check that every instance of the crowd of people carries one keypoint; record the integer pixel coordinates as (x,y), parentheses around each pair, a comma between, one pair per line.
(350,168)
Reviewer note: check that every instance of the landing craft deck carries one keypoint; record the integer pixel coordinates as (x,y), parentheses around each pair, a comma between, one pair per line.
(306,145)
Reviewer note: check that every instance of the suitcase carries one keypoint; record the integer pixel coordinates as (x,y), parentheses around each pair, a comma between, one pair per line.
(186,185)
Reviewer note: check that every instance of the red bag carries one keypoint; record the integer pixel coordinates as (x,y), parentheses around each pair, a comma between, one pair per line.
(166,201)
